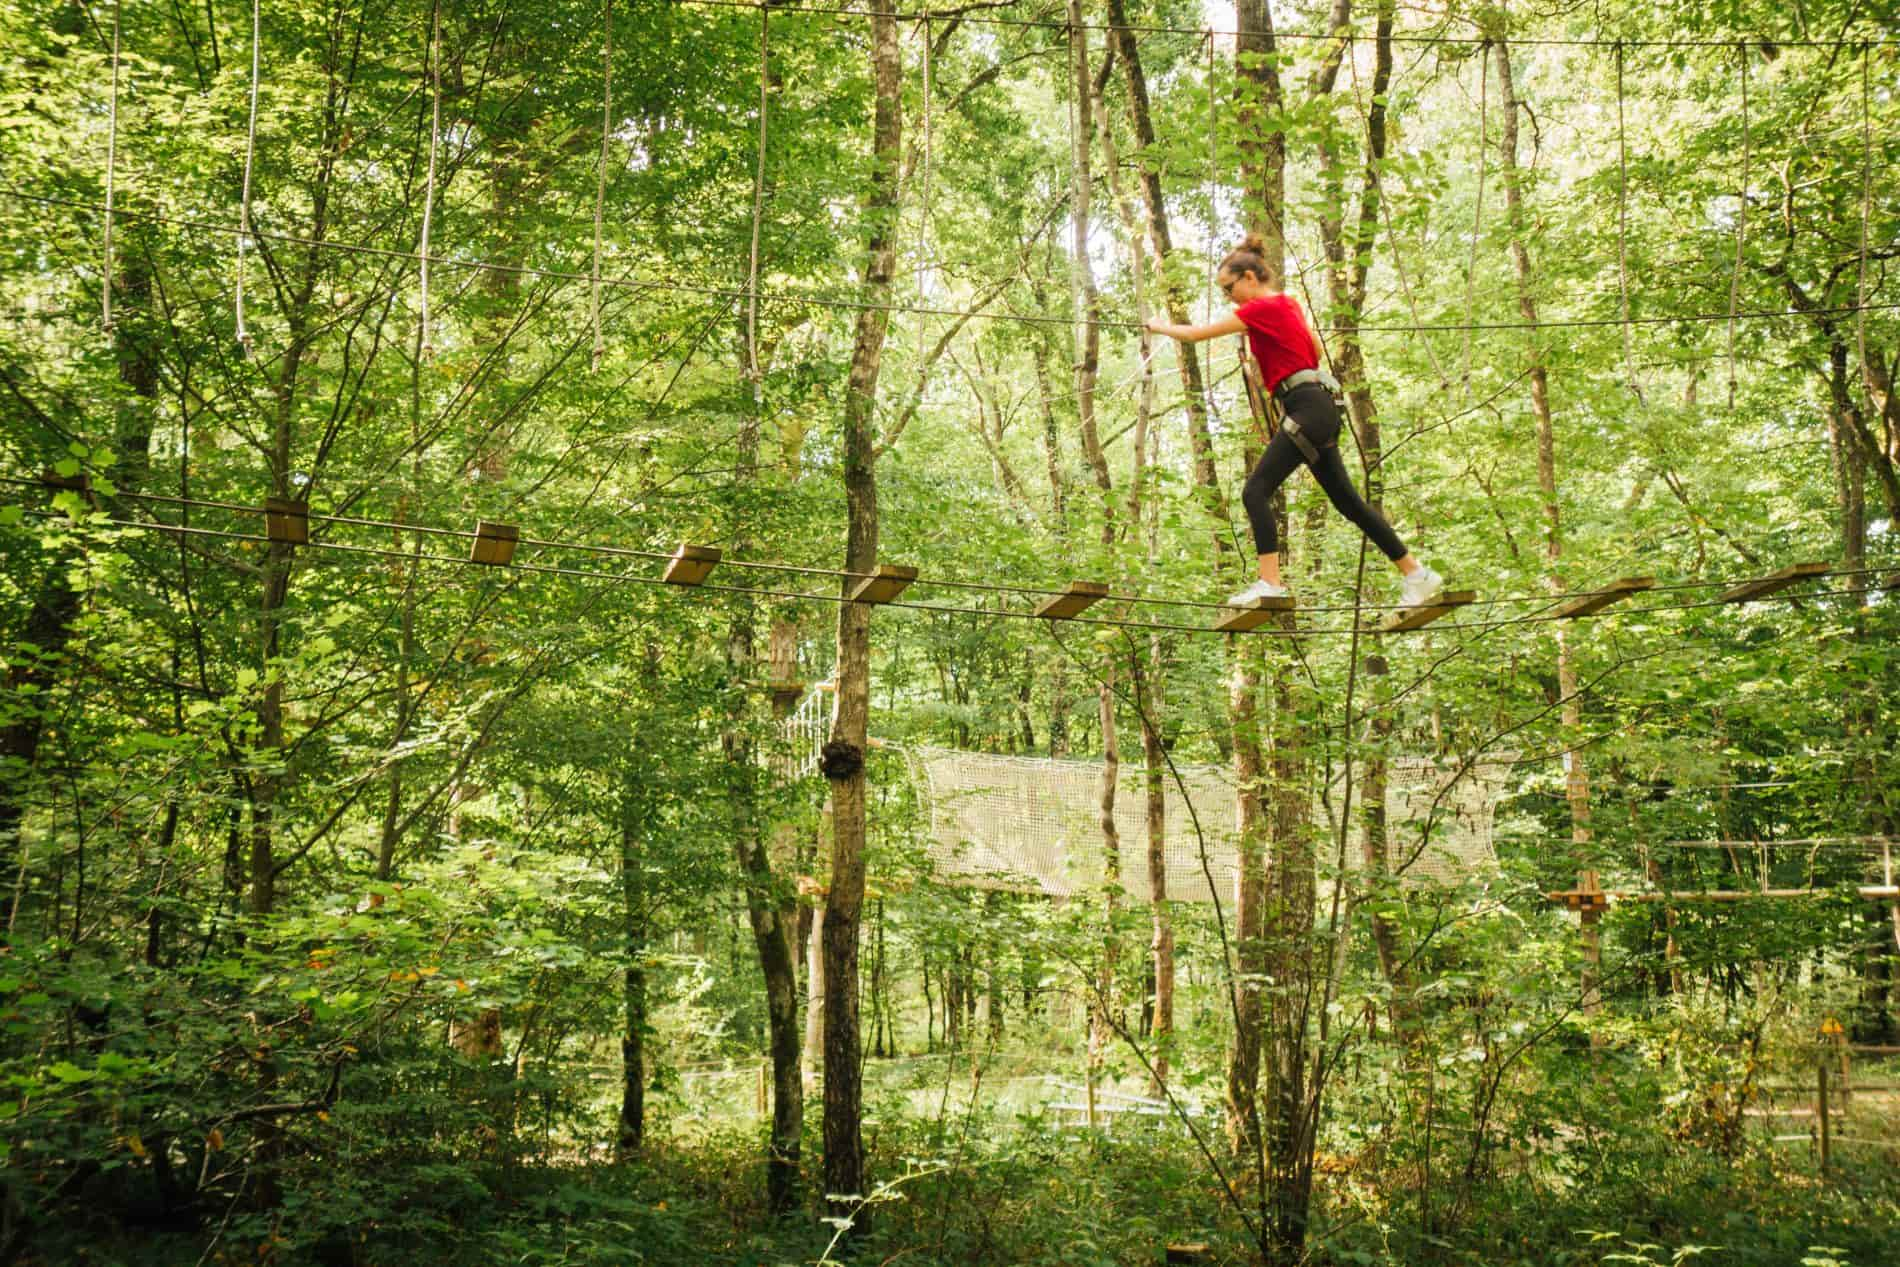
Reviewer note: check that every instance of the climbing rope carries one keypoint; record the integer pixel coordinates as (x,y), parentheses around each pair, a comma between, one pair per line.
(600,180)
(244,203)
(1213,193)
(923,231)
(1622,233)
(1477,214)
(1741,222)
(112,153)
(428,189)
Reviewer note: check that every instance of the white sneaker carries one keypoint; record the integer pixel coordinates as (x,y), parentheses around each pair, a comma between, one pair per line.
(1255,592)
(1420,587)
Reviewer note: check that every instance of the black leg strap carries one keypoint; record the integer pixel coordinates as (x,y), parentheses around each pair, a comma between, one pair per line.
(1292,428)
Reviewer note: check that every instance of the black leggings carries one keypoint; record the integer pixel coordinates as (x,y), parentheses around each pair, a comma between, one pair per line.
(1319,423)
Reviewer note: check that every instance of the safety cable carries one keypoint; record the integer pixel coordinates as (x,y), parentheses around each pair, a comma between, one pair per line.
(1543,617)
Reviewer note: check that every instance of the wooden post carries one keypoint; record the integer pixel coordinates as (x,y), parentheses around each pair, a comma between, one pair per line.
(1588,913)
(1821,1113)
(1886,863)
(1832,1032)
(759,1098)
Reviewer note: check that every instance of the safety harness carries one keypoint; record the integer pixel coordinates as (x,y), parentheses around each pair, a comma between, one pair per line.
(1273,417)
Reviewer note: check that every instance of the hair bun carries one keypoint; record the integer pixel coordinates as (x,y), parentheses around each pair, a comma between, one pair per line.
(1252,242)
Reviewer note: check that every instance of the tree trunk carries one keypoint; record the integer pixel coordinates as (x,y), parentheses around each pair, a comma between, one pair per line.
(1149,698)
(630,1138)
(1262,147)
(845,1176)
(1200,441)
(1088,302)
(1576,781)
(1250,898)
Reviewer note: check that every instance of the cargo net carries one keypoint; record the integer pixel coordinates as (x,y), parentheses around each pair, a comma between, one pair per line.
(1034,824)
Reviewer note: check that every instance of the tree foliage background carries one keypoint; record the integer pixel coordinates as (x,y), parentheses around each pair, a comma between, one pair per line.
(367,905)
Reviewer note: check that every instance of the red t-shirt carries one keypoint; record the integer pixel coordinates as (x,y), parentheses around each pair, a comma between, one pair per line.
(1278,333)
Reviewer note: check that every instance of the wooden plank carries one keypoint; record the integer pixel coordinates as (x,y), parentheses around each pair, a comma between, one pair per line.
(1416,617)
(1187,1252)
(287,521)
(890,581)
(1254,615)
(80,483)
(1614,592)
(1762,586)
(691,564)
(1078,598)
(494,543)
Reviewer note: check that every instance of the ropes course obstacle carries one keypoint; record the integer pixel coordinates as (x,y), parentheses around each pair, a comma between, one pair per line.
(1033,824)
(287,521)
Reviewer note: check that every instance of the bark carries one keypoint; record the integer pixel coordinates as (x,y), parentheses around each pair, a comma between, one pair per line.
(1193,391)
(1104,1016)
(765,912)
(1243,1063)
(1149,697)
(845,1175)
(812,1059)
(1576,781)
(1262,147)
(630,1137)
(1088,302)
(1348,260)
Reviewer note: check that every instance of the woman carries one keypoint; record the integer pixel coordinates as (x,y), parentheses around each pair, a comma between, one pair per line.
(1287,351)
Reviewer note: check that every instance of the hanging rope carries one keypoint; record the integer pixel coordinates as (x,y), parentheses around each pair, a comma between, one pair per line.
(244,204)
(1866,206)
(435,143)
(1213,199)
(1741,223)
(600,179)
(112,154)
(1622,233)
(1477,214)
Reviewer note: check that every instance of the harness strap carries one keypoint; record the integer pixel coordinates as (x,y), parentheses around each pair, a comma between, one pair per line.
(1292,428)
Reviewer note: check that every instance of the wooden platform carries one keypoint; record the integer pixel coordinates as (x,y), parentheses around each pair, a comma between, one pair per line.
(1254,615)
(287,521)
(494,543)
(1762,586)
(890,581)
(1079,597)
(1615,592)
(1425,614)
(691,564)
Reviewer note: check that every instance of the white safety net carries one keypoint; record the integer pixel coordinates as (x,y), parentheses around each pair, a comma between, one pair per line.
(1034,824)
